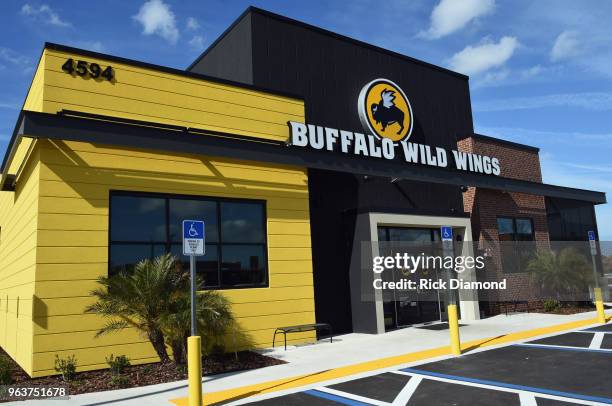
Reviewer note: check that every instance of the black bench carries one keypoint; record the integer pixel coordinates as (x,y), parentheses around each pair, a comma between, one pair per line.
(515,304)
(302,328)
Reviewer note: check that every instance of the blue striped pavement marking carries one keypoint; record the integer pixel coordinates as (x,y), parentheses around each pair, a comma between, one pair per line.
(335,398)
(511,386)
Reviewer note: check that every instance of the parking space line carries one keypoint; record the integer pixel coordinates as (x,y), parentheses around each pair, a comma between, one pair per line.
(527,399)
(351,396)
(340,399)
(509,387)
(597,340)
(563,347)
(404,396)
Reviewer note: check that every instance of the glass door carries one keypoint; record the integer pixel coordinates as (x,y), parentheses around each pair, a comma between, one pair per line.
(407,307)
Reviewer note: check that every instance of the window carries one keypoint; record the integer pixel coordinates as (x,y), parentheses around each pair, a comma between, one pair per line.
(147,225)
(517,243)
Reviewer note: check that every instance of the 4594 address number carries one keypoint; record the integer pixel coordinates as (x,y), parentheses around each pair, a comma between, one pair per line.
(84,68)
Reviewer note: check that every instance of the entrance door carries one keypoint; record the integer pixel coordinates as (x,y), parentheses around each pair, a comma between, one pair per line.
(407,307)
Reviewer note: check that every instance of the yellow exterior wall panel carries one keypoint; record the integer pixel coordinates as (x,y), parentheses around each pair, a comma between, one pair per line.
(142,93)
(18,224)
(54,240)
(76,182)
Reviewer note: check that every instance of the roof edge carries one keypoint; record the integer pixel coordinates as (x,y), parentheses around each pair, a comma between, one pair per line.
(167,69)
(513,144)
(253,9)
(219,38)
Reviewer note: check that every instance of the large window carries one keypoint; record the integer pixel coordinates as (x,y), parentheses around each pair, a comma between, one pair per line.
(517,243)
(147,225)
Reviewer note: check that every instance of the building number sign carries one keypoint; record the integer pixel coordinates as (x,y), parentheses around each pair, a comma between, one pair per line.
(83,68)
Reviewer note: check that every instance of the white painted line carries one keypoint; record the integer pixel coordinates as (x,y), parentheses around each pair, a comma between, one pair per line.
(596,342)
(352,396)
(503,389)
(404,396)
(591,332)
(527,399)
(564,347)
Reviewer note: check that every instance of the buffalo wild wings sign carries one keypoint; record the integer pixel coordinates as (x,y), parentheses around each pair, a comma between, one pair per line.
(386,114)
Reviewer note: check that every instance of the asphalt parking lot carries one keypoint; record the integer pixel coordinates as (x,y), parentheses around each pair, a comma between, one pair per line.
(565,369)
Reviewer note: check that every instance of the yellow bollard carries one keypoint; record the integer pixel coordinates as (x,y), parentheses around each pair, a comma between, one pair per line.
(601,315)
(194,370)
(453,326)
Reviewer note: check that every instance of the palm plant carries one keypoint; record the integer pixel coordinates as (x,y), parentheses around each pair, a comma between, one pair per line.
(155,300)
(564,273)
(139,299)
(214,317)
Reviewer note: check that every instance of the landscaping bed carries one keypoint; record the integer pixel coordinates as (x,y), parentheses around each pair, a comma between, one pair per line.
(141,375)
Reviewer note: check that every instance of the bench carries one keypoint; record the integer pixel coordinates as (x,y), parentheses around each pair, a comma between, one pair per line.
(514,303)
(302,328)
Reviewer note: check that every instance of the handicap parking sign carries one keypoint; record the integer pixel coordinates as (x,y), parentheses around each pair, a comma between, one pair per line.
(447,233)
(193,237)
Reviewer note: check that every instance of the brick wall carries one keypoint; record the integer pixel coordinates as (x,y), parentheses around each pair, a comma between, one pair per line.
(485,205)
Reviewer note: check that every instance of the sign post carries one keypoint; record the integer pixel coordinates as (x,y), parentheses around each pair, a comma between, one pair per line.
(193,245)
(601,315)
(453,318)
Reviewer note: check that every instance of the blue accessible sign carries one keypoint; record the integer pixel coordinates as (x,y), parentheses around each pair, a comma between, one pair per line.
(592,242)
(193,237)
(447,233)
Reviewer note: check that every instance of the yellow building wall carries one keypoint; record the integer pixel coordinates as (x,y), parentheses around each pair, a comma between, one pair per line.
(146,94)
(72,238)
(18,235)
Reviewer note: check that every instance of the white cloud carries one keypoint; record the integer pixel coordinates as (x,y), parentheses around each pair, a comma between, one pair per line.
(192,24)
(4,105)
(531,72)
(553,138)
(480,58)
(16,60)
(12,57)
(566,45)
(452,15)
(595,101)
(157,18)
(44,14)
(493,78)
(197,42)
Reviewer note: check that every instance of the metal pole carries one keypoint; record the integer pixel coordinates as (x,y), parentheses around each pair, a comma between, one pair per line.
(597,293)
(194,326)
(453,317)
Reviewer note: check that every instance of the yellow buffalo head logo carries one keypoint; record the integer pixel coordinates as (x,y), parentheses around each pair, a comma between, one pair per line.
(384,110)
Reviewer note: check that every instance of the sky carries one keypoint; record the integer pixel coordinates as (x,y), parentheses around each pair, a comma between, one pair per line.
(540,71)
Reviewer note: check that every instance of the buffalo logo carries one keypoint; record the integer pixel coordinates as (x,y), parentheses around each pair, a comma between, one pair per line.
(384,110)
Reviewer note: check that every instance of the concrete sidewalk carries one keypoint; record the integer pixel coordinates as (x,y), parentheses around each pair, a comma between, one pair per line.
(349,349)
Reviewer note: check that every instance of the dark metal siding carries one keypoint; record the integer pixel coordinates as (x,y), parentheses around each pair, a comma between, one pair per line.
(570,220)
(230,58)
(328,71)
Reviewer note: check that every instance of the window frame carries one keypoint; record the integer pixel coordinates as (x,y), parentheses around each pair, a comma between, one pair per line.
(514,228)
(505,265)
(168,243)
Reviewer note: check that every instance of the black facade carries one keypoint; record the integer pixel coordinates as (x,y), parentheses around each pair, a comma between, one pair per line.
(328,70)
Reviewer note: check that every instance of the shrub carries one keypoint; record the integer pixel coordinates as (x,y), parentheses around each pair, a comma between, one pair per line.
(66,367)
(551,305)
(5,371)
(117,365)
(119,381)
(155,299)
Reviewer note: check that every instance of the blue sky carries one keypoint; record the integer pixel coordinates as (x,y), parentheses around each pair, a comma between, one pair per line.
(540,71)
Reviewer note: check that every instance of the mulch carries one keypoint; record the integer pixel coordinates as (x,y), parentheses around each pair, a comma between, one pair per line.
(146,374)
